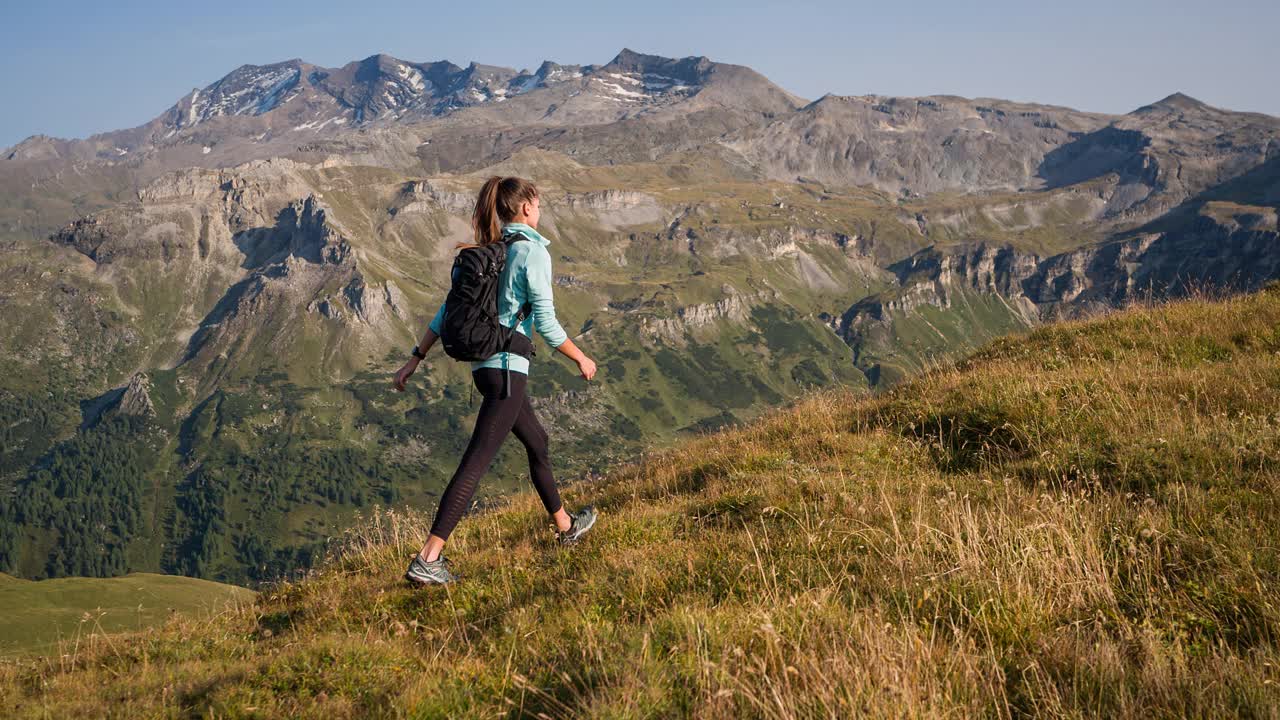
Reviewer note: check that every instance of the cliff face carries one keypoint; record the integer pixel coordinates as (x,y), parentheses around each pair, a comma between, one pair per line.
(425,195)
(1228,248)
(674,328)
(616,208)
(931,274)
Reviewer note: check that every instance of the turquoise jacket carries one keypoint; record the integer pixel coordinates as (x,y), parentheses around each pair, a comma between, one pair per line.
(526,277)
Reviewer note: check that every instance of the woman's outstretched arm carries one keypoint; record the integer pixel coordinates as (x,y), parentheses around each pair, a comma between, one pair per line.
(538,277)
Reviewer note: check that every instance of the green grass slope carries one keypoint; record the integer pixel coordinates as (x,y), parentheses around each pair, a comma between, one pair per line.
(36,616)
(1079,521)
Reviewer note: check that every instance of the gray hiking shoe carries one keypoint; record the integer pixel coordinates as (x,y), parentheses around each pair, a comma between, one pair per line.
(580,523)
(421,572)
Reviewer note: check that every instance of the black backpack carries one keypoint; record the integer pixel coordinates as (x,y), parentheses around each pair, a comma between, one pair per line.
(470,328)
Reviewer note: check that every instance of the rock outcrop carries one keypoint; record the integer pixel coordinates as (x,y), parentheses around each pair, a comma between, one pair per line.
(371,305)
(734,306)
(136,398)
(426,195)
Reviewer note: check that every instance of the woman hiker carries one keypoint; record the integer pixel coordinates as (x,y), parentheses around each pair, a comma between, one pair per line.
(505,205)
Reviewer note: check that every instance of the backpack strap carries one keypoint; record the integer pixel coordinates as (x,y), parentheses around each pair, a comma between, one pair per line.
(514,236)
(524,312)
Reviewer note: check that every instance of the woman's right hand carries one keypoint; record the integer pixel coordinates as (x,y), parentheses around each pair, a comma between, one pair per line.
(587,367)
(402,375)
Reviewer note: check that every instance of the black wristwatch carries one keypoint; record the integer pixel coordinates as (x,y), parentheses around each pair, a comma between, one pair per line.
(418,353)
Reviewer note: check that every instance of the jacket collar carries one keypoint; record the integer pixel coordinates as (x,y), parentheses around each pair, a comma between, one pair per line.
(526,231)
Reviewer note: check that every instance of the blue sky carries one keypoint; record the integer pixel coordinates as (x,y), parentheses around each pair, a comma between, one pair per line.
(71,69)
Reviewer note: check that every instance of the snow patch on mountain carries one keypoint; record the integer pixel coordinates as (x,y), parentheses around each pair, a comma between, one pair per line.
(640,86)
(414,77)
(191,116)
(249,90)
(547,74)
(559,75)
(618,90)
(280,83)
(319,124)
(530,83)
(626,78)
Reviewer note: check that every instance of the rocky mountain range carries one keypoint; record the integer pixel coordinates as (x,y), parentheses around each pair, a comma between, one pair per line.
(201,314)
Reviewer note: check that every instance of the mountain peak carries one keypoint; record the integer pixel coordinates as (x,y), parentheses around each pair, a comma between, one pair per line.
(628,56)
(1177,101)
(248,67)
(629,59)
(247,90)
(33,147)
(379,57)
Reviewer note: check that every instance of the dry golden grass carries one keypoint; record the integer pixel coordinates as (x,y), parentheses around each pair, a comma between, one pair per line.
(1079,522)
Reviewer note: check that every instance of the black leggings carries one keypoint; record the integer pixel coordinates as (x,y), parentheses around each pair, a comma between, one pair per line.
(498,416)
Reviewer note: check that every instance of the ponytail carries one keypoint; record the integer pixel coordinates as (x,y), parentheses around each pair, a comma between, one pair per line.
(497,203)
(484,221)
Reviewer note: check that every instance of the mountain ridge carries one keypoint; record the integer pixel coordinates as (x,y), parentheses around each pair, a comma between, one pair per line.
(624,59)
(264,78)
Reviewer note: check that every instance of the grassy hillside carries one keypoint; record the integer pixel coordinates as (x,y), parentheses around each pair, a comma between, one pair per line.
(36,616)
(1081,521)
